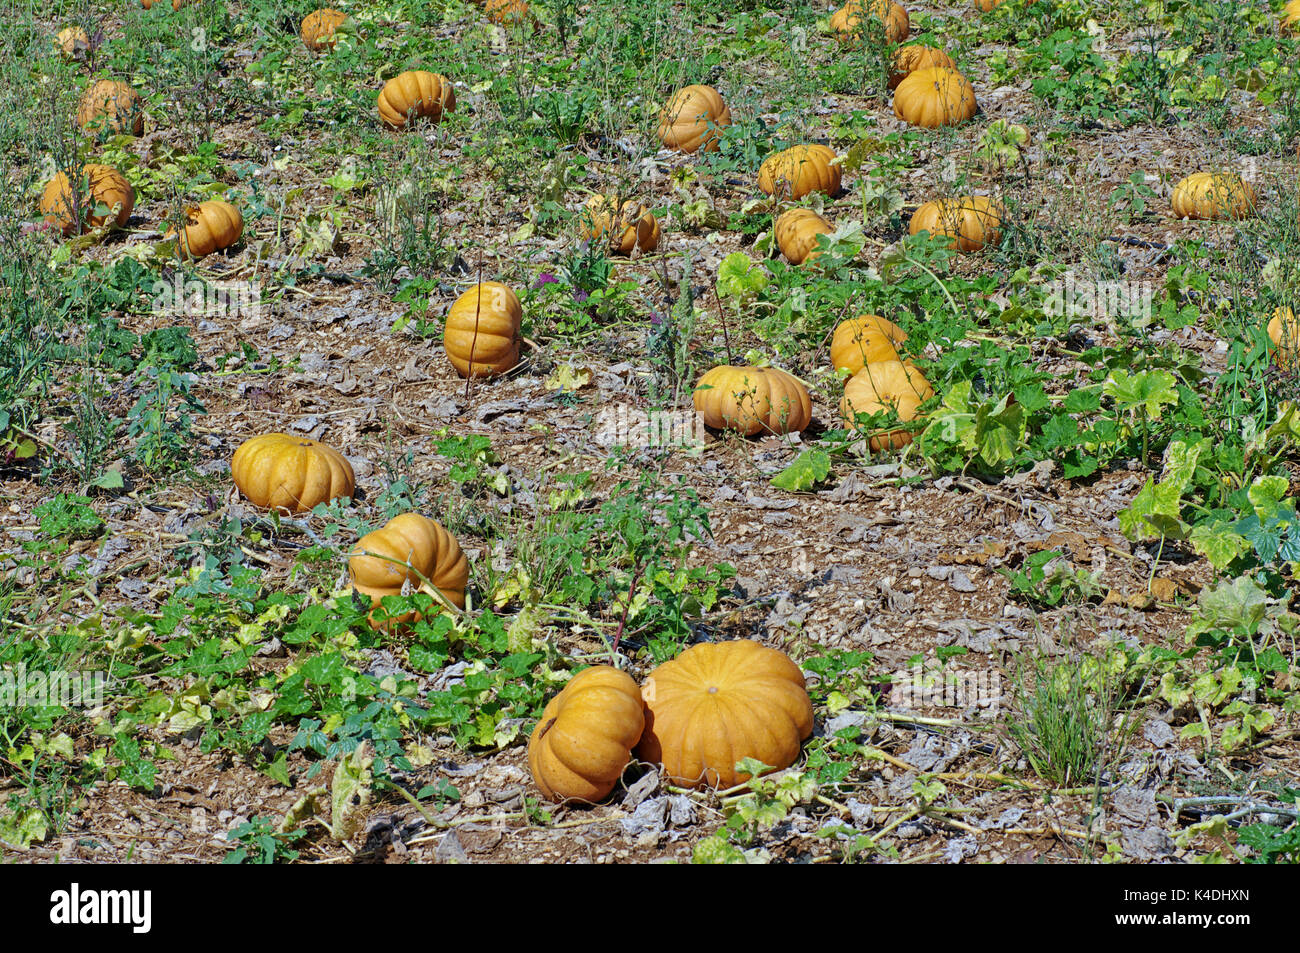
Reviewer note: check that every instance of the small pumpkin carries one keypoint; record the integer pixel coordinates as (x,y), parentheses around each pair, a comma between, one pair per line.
(72,42)
(799,170)
(1291,16)
(691,121)
(482,330)
(105,190)
(908,59)
(847,21)
(753,400)
(510,13)
(866,339)
(934,96)
(409,548)
(971,221)
(277,471)
(210,226)
(112,107)
(1213,196)
(415,93)
(719,703)
(1284,332)
(796,234)
(882,386)
(586,734)
(318,29)
(628,226)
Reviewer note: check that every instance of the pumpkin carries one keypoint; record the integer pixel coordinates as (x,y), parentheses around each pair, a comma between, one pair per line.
(510,13)
(415,93)
(1291,15)
(482,330)
(752,400)
(628,226)
(318,28)
(971,221)
(887,385)
(1284,332)
(586,734)
(719,703)
(1213,195)
(934,96)
(408,548)
(866,339)
(908,59)
(277,471)
(693,118)
(799,170)
(111,106)
(796,234)
(177,4)
(105,188)
(847,21)
(211,226)
(72,42)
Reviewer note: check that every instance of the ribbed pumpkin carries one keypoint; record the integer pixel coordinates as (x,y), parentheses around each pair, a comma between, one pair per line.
(628,226)
(415,93)
(799,170)
(796,234)
(277,471)
(1291,15)
(1284,332)
(887,385)
(752,400)
(72,42)
(422,548)
(586,734)
(693,118)
(971,221)
(210,226)
(509,13)
(934,96)
(483,329)
(1213,195)
(719,703)
(106,189)
(847,21)
(318,28)
(866,339)
(908,59)
(111,106)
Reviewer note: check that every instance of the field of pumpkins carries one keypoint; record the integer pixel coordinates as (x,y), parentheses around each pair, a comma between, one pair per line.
(576,432)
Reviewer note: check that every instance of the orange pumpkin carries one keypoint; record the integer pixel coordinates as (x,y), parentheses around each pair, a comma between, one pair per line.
(112,107)
(1284,332)
(408,550)
(799,170)
(971,221)
(210,226)
(934,96)
(277,471)
(628,226)
(693,118)
(752,400)
(415,93)
(72,42)
(796,234)
(318,29)
(105,198)
(885,386)
(1291,15)
(585,736)
(1214,196)
(483,330)
(847,21)
(510,13)
(719,703)
(908,59)
(866,339)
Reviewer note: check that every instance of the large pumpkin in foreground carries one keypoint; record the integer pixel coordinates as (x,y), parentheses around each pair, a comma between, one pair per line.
(934,96)
(1214,196)
(415,94)
(885,386)
(796,171)
(277,471)
(105,190)
(210,226)
(796,234)
(586,734)
(409,548)
(866,339)
(971,221)
(719,703)
(753,400)
(693,119)
(482,336)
